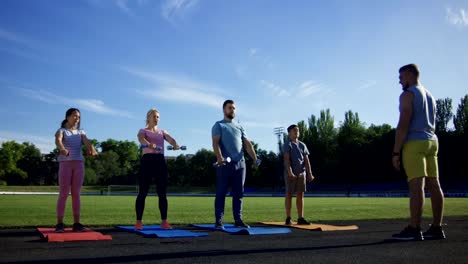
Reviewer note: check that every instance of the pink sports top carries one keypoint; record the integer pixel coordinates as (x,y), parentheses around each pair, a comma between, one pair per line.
(156,137)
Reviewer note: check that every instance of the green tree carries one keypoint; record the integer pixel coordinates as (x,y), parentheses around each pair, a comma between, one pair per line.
(106,167)
(460,120)
(31,163)
(10,153)
(443,114)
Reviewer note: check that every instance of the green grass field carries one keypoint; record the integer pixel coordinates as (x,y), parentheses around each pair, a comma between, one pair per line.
(39,210)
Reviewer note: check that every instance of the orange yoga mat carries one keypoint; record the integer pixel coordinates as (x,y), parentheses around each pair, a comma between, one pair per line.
(314,227)
(89,235)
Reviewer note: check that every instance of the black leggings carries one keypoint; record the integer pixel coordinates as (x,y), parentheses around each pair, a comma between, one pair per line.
(152,166)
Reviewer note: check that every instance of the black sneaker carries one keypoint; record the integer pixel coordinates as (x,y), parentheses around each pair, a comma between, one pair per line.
(302,221)
(434,233)
(77,227)
(240,223)
(288,221)
(219,225)
(59,228)
(408,234)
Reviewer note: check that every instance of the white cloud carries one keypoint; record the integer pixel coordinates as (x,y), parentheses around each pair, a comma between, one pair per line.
(174,9)
(177,88)
(123,5)
(274,89)
(93,105)
(309,87)
(44,144)
(457,17)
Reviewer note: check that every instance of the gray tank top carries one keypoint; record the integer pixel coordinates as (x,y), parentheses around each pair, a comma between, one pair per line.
(72,141)
(422,125)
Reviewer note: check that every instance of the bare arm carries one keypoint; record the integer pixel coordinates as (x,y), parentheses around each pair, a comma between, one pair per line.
(171,141)
(406,112)
(250,149)
(59,143)
(217,150)
(310,177)
(91,150)
(143,140)
(287,163)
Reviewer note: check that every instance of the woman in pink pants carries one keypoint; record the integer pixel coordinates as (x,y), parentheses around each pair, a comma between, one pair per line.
(69,139)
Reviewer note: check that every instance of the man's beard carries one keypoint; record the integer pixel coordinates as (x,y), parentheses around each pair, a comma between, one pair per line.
(231,115)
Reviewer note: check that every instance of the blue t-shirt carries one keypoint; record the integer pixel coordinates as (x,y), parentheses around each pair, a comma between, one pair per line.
(297,152)
(232,135)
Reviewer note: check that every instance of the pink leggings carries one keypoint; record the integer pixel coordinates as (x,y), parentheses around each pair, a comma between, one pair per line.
(71,175)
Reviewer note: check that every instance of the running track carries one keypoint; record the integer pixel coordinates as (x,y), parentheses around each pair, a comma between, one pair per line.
(369,244)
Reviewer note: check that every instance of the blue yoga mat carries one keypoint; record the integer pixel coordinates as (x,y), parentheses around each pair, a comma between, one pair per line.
(157,231)
(252,231)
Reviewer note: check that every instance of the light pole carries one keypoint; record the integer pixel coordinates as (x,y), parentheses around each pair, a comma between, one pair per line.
(278,183)
(279,132)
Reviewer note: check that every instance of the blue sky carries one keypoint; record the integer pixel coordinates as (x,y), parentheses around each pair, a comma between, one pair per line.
(281,61)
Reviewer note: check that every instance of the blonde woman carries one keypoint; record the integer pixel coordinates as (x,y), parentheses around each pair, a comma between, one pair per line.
(153,165)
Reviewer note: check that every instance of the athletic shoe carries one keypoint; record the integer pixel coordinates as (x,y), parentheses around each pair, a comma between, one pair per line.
(434,233)
(166,225)
(288,221)
(77,227)
(240,223)
(60,228)
(408,234)
(302,221)
(139,226)
(219,225)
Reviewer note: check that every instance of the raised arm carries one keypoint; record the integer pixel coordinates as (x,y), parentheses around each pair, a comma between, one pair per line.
(171,141)
(143,140)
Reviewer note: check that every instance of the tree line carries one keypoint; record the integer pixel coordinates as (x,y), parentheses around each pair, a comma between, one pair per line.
(349,154)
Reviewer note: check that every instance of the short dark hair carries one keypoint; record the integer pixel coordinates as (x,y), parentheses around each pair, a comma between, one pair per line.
(229,101)
(413,68)
(291,127)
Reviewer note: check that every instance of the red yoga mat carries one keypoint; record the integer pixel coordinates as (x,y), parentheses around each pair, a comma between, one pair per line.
(89,235)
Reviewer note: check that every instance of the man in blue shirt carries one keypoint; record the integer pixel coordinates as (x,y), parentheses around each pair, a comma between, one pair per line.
(229,140)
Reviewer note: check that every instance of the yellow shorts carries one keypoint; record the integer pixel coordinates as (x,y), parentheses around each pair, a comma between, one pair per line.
(420,159)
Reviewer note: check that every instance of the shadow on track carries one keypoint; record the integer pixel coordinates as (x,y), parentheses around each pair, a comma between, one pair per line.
(194,254)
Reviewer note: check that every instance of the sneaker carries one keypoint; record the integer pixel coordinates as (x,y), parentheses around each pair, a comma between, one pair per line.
(302,221)
(166,225)
(60,228)
(288,221)
(408,234)
(219,225)
(77,227)
(240,223)
(434,233)
(139,225)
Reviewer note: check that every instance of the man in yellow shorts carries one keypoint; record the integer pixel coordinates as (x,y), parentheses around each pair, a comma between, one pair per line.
(417,143)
